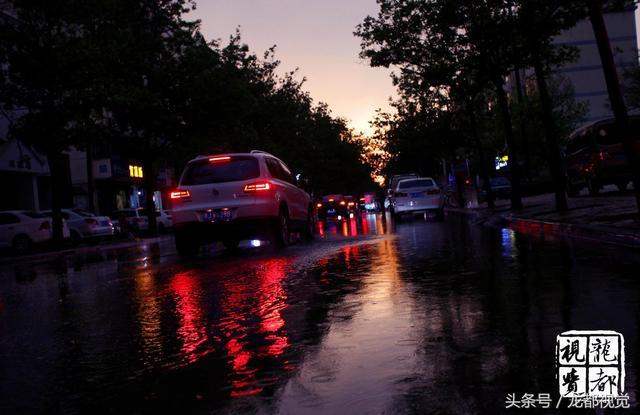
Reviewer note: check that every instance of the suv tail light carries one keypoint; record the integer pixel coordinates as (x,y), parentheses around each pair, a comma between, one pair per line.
(400,194)
(91,221)
(257,187)
(433,191)
(319,205)
(342,203)
(180,194)
(45,226)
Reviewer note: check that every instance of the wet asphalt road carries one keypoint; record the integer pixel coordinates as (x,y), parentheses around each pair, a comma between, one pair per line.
(371,317)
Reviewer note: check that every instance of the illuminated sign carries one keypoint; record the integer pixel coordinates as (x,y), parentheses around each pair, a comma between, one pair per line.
(135,171)
(502,162)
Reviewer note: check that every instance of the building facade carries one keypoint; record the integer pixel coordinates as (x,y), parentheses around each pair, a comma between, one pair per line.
(586,73)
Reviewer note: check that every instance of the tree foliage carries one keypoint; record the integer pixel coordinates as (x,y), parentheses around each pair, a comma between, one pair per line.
(140,77)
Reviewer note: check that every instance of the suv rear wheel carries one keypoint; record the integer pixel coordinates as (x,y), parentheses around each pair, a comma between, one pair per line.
(281,233)
(186,243)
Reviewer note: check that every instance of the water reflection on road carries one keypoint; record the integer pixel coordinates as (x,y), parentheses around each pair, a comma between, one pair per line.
(430,317)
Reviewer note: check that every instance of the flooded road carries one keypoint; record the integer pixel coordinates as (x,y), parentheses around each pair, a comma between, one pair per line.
(371,317)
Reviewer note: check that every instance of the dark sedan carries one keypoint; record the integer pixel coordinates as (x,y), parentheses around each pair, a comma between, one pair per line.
(333,207)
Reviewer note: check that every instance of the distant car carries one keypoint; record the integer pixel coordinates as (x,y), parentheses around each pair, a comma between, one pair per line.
(353,207)
(500,188)
(333,207)
(85,225)
(595,157)
(20,230)
(231,197)
(370,202)
(130,219)
(361,204)
(164,219)
(417,195)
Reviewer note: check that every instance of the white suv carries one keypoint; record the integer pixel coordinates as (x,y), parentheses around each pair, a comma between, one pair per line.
(232,197)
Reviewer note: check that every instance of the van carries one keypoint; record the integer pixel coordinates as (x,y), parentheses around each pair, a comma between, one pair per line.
(595,157)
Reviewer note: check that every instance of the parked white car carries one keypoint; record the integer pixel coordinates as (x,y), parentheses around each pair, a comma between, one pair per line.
(164,219)
(85,225)
(21,229)
(233,197)
(134,218)
(138,219)
(417,195)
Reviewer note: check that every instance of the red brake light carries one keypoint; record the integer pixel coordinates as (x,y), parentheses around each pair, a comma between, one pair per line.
(91,221)
(258,187)
(331,200)
(433,192)
(342,203)
(219,159)
(319,205)
(45,226)
(351,204)
(180,194)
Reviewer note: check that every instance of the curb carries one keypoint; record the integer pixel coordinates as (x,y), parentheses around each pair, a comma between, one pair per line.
(542,228)
(110,245)
(575,231)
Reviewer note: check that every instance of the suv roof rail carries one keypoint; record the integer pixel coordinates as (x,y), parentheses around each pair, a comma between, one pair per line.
(260,152)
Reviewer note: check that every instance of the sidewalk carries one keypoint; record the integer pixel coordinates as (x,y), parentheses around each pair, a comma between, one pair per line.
(610,217)
(108,245)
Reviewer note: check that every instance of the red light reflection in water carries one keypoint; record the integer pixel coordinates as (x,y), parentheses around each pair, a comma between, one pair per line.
(321,229)
(265,299)
(354,227)
(365,226)
(193,325)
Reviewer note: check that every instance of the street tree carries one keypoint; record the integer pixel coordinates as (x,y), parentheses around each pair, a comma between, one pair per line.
(539,21)
(50,70)
(618,106)
(449,40)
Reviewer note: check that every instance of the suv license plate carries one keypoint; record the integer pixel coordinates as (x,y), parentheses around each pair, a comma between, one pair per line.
(216,215)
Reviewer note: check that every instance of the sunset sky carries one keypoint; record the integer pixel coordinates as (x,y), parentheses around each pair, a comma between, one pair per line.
(314,36)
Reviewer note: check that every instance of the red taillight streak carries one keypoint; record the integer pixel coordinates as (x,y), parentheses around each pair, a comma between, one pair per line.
(180,194)
(258,187)
(219,159)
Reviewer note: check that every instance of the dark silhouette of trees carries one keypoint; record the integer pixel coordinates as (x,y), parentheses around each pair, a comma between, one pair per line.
(468,49)
(616,99)
(140,76)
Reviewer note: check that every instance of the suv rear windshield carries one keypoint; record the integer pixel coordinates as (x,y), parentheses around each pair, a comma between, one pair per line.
(416,183)
(236,169)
